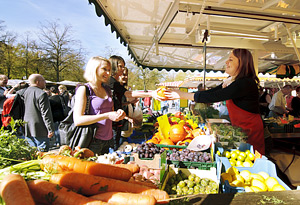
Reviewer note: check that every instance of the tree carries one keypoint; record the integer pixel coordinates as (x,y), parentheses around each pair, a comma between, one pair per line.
(59,48)
(8,53)
(142,79)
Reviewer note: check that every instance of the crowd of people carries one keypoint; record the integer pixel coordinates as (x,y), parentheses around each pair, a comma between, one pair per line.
(111,103)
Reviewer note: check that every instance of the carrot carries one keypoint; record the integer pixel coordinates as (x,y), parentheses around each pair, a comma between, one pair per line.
(45,192)
(134,168)
(125,198)
(64,163)
(14,190)
(92,185)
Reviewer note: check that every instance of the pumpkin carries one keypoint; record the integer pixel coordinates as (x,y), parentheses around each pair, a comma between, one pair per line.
(177,133)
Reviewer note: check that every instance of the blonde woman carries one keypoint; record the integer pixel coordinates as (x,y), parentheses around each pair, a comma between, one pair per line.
(101,111)
(65,93)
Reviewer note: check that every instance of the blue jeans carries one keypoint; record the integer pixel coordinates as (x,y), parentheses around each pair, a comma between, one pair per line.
(42,143)
(56,132)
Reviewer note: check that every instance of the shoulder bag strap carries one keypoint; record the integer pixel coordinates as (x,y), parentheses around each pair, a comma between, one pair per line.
(88,100)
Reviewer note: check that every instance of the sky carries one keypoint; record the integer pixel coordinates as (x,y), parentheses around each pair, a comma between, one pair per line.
(20,16)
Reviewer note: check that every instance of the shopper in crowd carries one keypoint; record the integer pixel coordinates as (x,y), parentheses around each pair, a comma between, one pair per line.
(117,68)
(264,101)
(65,93)
(295,104)
(57,111)
(240,91)
(289,97)
(39,125)
(3,91)
(278,103)
(128,107)
(101,111)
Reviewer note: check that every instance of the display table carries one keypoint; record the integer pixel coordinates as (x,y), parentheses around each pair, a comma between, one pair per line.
(278,197)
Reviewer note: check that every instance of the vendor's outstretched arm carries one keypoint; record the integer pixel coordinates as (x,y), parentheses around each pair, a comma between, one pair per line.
(178,94)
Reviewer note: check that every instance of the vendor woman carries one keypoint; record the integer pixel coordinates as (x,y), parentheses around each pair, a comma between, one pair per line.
(240,91)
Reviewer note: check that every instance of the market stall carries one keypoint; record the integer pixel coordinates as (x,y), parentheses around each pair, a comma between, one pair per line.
(187,158)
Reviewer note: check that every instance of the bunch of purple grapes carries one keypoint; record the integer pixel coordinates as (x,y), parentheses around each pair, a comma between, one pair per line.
(148,150)
(188,155)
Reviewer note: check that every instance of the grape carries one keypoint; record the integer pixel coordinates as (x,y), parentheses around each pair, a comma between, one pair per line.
(190,191)
(185,190)
(190,184)
(181,184)
(186,143)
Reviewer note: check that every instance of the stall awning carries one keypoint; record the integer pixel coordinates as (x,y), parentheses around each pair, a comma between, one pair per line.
(168,34)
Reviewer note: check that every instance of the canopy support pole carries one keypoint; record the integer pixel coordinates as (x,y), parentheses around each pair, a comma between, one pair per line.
(292,40)
(165,23)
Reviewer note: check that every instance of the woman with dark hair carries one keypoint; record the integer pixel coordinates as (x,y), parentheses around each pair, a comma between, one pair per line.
(240,91)
(119,91)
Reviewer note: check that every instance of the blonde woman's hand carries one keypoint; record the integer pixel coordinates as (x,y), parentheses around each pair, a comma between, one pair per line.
(116,115)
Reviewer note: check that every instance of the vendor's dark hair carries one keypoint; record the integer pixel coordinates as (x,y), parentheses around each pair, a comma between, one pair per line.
(114,61)
(246,64)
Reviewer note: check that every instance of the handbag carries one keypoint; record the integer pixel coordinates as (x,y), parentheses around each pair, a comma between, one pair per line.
(66,108)
(137,116)
(73,135)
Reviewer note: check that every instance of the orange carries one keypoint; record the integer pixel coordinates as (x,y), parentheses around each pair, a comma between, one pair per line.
(166,142)
(161,92)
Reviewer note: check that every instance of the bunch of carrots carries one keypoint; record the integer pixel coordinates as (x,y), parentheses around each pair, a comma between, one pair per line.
(73,181)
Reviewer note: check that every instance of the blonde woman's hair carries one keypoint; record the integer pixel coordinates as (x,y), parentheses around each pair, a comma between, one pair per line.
(62,87)
(90,73)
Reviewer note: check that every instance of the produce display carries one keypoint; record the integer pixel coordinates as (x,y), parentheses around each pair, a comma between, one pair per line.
(188,155)
(239,158)
(181,184)
(148,150)
(182,130)
(252,182)
(229,134)
(48,177)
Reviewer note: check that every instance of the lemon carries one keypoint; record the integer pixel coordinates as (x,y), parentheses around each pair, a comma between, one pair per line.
(238,177)
(259,184)
(256,189)
(246,175)
(237,151)
(239,163)
(257,176)
(250,156)
(247,151)
(232,162)
(237,183)
(278,187)
(248,189)
(270,182)
(232,171)
(241,158)
(233,155)
(226,176)
(247,164)
(264,175)
(227,154)
(243,154)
